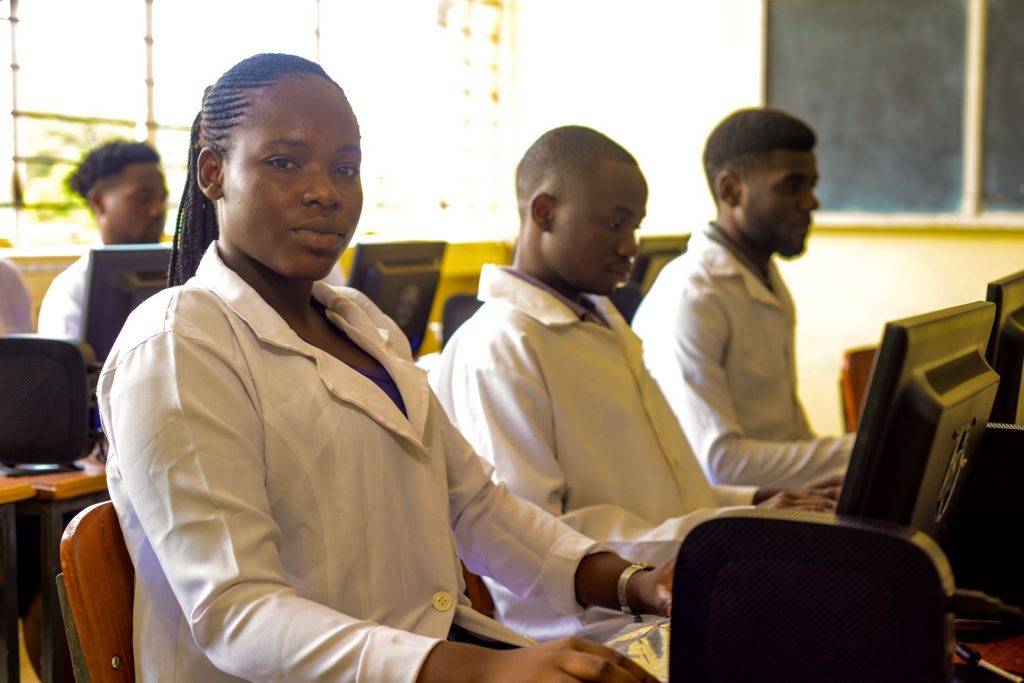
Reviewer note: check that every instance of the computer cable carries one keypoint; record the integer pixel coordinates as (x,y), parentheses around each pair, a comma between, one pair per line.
(973,659)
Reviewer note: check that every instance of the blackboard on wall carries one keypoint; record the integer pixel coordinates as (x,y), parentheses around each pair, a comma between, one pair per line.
(882,82)
(1003,160)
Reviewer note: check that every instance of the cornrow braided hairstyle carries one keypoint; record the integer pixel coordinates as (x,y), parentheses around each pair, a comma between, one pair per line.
(224,106)
(106,161)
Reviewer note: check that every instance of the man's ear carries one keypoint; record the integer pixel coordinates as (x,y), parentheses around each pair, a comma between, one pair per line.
(729,188)
(95,200)
(542,211)
(210,174)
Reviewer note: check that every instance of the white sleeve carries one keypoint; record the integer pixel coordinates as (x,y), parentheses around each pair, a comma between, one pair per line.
(60,314)
(709,419)
(506,538)
(189,454)
(504,410)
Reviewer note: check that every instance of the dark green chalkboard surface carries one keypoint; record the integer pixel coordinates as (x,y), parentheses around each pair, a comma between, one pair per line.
(882,81)
(1003,160)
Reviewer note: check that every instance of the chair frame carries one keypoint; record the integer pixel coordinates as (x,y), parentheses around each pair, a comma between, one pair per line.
(854,377)
(97,591)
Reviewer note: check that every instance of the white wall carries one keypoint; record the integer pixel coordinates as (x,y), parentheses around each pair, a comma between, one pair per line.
(656,76)
(850,282)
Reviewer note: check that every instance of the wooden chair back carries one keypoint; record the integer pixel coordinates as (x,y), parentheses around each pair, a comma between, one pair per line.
(99,585)
(853,382)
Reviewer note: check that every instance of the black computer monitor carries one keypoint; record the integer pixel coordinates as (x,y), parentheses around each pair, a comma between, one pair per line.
(924,416)
(1006,347)
(401,278)
(653,254)
(45,404)
(118,279)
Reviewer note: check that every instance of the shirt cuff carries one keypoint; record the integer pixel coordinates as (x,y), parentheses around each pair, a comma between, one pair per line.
(558,575)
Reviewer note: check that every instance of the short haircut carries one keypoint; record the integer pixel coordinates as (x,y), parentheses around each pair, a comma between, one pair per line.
(745,139)
(568,151)
(108,160)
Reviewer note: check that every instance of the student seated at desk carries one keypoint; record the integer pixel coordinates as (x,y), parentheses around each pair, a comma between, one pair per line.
(293,497)
(126,192)
(15,301)
(546,379)
(718,325)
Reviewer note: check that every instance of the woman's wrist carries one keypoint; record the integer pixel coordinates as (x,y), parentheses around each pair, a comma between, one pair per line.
(630,601)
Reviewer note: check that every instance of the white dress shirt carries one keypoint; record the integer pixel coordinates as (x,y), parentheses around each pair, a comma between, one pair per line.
(285,520)
(15,301)
(722,347)
(572,421)
(60,314)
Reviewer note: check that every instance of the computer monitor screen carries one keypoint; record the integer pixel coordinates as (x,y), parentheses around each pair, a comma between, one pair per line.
(924,417)
(118,279)
(653,253)
(401,278)
(1006,347)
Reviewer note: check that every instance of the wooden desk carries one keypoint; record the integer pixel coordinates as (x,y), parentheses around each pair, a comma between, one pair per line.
(57,496)
(11,491)
(1006,654)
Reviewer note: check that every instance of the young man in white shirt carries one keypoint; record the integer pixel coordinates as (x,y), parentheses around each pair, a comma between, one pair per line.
(547,382)
(126,192)
(718,325)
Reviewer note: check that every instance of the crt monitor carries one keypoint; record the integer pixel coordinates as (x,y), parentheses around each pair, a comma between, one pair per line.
(401,278)
(653,253)
(1006,347)
(119,278)
(924,416)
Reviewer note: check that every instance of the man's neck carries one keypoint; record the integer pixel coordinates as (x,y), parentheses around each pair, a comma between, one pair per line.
(716,234)
(742,248)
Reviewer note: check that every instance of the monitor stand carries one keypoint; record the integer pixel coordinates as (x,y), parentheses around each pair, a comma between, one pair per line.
(984,543)
(12,469)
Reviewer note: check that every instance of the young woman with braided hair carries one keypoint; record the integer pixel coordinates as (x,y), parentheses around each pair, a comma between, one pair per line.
(293,497)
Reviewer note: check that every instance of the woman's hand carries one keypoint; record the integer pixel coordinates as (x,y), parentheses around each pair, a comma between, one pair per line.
(797,499)
(558,661)
(651,592)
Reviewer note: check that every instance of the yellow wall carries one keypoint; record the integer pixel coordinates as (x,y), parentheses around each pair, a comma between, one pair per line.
(39,270)
(460,272)
(851,281)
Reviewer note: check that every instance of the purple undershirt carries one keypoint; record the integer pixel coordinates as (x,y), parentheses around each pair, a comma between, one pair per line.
(378,375)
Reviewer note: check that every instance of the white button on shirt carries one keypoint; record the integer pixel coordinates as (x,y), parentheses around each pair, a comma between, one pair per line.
(285,520)
(443,601)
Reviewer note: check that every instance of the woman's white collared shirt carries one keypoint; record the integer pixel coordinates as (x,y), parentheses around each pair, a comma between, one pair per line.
(286,521)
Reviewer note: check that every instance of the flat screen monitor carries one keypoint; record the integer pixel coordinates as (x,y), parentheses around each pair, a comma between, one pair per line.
(401,278)
(1006,347)
(924,416)
(119,278)
(653,254)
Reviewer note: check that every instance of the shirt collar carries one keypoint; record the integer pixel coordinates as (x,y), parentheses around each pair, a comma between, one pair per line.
(363,324)
(268,325)
(715,234)
(583,308)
